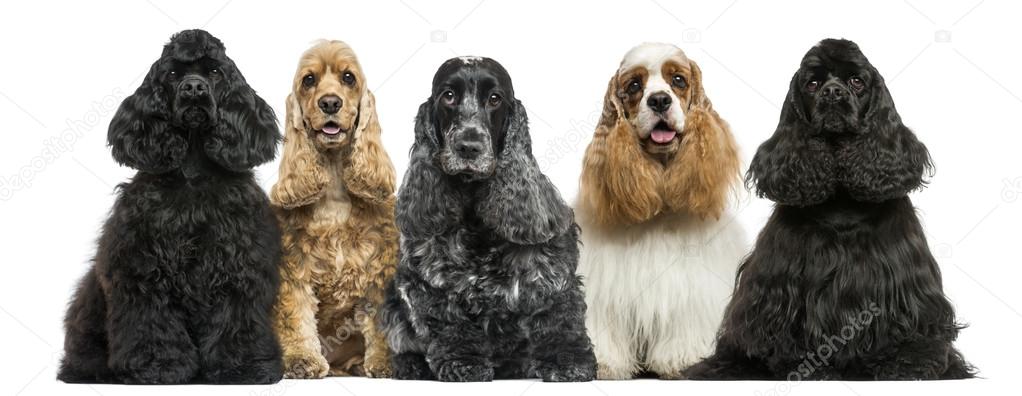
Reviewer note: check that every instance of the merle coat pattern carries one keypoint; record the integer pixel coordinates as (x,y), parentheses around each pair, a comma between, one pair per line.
(485,286)
(841,283)
(185,273)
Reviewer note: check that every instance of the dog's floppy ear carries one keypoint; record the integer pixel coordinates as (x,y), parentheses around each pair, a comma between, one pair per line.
(246,134)
(795,166)
(705,169)
(618,183)
(884,160)
(140,134)
(427,204)
(302,178)
(369,173)
(519,202)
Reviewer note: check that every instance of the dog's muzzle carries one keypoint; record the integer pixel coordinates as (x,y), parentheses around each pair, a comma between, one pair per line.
(194,102)
(468,153)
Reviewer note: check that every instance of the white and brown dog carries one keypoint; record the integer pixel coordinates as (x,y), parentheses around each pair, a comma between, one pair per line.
(659,252)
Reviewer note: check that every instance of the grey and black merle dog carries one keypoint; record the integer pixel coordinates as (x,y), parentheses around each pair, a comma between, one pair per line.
(486,285)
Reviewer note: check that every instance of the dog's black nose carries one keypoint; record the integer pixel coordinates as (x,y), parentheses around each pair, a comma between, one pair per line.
(833,92)
(193,86)
(330,104)
(468,149)
(659,102)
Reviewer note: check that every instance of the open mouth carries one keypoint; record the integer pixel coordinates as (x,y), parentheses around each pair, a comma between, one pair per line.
(332,130)
(662,133)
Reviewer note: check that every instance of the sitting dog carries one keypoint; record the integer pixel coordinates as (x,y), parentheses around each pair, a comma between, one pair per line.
(658,256)
(185,275)
(485,286)
(841,283)
(335,202)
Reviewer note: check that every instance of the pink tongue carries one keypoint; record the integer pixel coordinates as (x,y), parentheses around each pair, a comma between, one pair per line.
(331,129)
(662,136)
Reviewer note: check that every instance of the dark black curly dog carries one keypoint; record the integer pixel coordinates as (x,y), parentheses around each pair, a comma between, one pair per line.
(841,283)
(185,273)
(486,285)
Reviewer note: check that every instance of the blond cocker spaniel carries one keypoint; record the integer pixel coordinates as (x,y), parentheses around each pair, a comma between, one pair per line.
(659,256)
(335,201)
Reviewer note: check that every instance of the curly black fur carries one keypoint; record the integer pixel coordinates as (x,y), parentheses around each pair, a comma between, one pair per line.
(486,285)
(185,274)
(841,283)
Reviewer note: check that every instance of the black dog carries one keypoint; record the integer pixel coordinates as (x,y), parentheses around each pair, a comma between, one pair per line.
(486,285)
(841,283)
(185,274)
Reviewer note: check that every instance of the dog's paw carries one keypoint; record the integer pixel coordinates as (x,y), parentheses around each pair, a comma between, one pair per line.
(378,367)
(410,366)
(161,372)
(464,371)
(305,365)
(605,372)
(567,373)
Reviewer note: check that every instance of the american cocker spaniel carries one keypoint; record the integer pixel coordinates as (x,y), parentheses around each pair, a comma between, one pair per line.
(486,285)
(841,283)
(658,255)
(335,202)
(185,274)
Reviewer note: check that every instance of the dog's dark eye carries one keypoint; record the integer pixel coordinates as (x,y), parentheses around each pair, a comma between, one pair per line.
(172,74)
(494,100)
(812,86)
(309,80)
(634,86)
(214,73)
(348,78)
(679,81)
(448,97)
(856,83)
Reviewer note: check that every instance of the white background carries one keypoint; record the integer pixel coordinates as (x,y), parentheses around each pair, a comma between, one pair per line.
(951,66)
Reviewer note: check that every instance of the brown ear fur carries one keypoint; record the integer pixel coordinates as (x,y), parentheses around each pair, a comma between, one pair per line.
(706,167)
(302,178)
(368,172)
(618,183)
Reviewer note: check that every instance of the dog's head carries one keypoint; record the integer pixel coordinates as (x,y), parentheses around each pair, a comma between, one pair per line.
(327,93)
(660,146)
(471,103)
(194,97)
(657,85)
(839,132)
(836,86)
(473,154)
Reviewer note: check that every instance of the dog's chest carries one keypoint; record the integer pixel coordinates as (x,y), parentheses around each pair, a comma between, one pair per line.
(332,211)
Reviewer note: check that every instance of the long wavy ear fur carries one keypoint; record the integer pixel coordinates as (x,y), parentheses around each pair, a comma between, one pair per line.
(369,173)
(705,170)
(795,166)
(885,160)
(303,178)
(247,134)
(427,204)
(618,184)
(140,134)
(521,204)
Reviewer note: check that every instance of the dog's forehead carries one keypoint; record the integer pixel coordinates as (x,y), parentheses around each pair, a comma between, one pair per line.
(652,56)
(834,54)
(472,68)
(192,45)
(332,54)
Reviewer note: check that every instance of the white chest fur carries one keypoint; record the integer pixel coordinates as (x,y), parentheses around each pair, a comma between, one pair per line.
(656,291)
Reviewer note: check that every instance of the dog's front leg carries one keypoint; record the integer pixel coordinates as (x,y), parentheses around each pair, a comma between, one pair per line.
(460,352)
(295,323)
(561,348)
(147,334)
